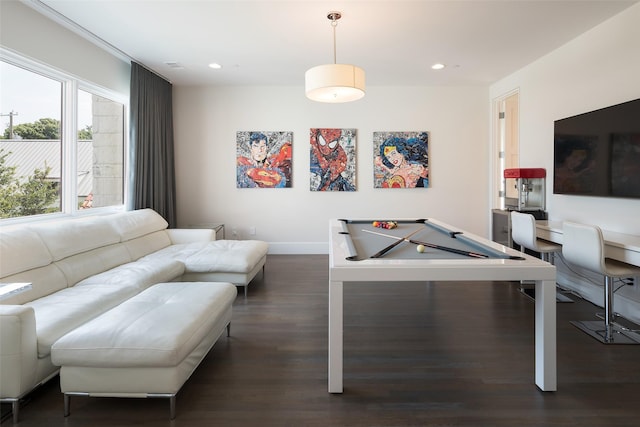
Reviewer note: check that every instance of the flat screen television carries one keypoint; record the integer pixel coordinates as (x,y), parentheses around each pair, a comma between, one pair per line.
(598,153)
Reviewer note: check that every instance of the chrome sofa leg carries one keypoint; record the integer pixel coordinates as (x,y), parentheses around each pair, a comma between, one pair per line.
(172,401)
(609,316)
(67,405)
(15,408)
(172,407)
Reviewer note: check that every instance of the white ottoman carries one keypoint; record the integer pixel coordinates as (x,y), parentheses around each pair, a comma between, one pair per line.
(148,346)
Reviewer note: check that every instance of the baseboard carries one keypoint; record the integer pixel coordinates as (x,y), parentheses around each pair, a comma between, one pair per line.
(298,248)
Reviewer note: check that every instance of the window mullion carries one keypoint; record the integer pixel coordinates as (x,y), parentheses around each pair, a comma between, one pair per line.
(69,137)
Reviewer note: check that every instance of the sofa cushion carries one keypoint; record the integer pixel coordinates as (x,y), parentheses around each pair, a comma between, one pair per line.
(147,244)
(69,237)
(228,256)
(141,274)
(22,249)
(44,280)
(95,261)
(132,224)
(158,327)
(65,310)
(178,252)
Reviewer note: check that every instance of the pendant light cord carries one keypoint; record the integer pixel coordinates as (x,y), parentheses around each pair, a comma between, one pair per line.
(334,24)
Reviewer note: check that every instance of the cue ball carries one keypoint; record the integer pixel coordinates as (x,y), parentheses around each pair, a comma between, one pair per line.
(420,248)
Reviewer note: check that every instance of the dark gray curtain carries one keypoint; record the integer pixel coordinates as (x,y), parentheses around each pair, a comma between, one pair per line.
(152,178)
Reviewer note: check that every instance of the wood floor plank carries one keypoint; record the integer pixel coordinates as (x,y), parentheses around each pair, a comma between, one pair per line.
(417,354)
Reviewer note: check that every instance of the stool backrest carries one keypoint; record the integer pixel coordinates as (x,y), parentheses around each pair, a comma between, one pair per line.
(583,245)
(523,230)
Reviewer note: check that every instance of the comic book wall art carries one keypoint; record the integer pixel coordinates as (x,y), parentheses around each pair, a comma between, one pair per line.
(263,159)
(332,159)
(401,159)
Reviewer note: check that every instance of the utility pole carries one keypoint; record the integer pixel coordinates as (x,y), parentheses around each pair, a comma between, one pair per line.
(11,114)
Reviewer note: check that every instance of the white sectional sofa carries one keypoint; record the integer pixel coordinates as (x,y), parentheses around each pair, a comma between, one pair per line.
(84,267)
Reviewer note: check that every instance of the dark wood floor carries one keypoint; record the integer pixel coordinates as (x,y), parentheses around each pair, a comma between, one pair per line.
(418,354)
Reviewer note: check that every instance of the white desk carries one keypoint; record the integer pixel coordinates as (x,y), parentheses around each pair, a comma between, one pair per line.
(619,246)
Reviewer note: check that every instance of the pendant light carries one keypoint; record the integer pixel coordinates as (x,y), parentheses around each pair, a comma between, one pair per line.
(334,83)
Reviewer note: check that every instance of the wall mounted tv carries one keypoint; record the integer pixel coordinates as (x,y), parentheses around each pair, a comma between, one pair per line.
(598,153)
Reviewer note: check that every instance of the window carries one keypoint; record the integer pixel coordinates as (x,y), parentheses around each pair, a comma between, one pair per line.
(30,148)
(45,166)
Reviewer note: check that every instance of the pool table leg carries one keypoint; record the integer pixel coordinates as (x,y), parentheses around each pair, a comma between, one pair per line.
(335,336)
(546,371)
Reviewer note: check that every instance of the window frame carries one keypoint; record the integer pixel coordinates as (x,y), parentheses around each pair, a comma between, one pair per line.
(69,137)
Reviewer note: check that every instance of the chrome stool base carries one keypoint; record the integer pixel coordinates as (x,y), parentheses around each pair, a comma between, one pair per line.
(597,330)
(562,298)
(530,292)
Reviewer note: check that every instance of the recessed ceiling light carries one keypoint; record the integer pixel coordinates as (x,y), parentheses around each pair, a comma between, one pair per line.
(215,66)
(438,66)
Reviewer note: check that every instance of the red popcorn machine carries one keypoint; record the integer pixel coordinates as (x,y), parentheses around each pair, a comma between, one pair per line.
(525,190)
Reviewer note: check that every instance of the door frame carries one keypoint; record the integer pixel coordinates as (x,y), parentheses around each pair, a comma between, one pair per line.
(498,146)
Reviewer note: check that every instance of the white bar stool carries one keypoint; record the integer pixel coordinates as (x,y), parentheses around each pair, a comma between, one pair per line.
(523,232)
(583,246)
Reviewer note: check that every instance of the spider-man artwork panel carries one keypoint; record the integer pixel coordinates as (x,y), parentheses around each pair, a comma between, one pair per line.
(332,159)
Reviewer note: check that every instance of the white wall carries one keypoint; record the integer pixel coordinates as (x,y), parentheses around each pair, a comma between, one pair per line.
(598,69)
(295,220)
(27,32)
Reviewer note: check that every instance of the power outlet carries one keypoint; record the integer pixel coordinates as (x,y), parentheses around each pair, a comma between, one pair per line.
(234,233)
(252,231)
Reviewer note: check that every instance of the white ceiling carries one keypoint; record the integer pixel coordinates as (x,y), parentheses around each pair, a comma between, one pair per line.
(266,42)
